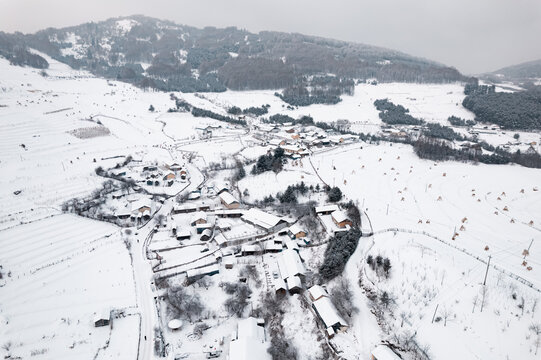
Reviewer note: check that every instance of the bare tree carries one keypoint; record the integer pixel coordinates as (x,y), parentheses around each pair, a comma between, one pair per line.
(403,317)
(474,301)
(536,329)
(342,297)
(446,313)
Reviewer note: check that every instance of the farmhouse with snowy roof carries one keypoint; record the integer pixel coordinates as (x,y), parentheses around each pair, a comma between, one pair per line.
(229,200)
(341,219)
(295,231)
(268,222)
(199,218)
(329,316)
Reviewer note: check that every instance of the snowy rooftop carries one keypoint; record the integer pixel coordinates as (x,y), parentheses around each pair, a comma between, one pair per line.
(317,292)
(339,216)
(326,208)
(294,282)
(200,215)
(328,312)
(261,218)
(220,239)
(228,198)
(382,352)
(250,343)
(295,229)
(290,264)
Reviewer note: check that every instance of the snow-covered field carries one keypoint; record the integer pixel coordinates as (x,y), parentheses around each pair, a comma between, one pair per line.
(62,272)
(438,223)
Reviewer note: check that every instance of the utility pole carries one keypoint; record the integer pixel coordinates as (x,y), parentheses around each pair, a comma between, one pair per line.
(528,251)
(486,273)
(435,311)
(387,209)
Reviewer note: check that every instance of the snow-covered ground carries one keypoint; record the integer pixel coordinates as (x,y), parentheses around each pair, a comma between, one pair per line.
(438,223)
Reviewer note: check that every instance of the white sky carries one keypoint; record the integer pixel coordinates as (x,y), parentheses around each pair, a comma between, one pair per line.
(472,35)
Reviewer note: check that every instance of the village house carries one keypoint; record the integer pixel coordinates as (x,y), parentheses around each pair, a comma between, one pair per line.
(268,222)
(294,284)
(277,142)
(290,264)
(340,219)
(329,316)
(174,167)
(248,249)
(141,205)
(183,234)
(296,232)
(316,292)
(326,209)
(229,213)
(193,275)
(199,218)
(249,341)
(229,200)
(169,176)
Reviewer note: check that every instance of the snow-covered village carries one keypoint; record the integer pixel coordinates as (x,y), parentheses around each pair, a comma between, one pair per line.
(141,222)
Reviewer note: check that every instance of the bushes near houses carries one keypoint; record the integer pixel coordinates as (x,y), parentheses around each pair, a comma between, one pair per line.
(290,195)
(267,162)
(183,304)
(334,194)
(238,300)
(340,248)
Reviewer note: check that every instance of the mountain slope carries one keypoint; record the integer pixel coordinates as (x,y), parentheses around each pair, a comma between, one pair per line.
(166,56)
(527,70)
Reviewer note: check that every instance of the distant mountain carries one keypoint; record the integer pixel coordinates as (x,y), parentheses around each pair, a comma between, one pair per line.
(166,56)
(524,71)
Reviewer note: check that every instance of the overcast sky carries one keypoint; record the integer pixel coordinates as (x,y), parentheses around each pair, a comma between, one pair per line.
(472,35)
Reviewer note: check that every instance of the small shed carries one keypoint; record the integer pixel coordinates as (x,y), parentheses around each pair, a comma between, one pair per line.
(248,249)
(205,236)
(102,318)
(229,262)
(183,234)
(294,284)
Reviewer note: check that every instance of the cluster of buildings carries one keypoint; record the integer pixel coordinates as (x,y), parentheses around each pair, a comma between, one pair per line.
(298,141)
(333,218)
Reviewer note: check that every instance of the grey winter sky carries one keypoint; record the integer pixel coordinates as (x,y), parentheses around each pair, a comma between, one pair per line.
(472,35)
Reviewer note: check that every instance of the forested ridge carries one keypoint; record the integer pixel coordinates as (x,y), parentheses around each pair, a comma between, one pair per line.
(188,59)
